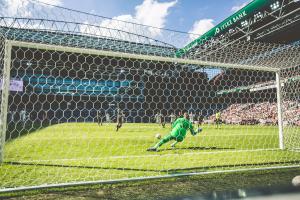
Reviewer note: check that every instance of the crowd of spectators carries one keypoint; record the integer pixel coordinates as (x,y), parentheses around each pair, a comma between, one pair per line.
(261,113)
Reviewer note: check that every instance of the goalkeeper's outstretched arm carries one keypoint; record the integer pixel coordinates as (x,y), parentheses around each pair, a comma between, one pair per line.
(192,130)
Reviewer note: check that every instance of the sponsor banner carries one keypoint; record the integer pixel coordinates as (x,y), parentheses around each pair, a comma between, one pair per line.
(15,85)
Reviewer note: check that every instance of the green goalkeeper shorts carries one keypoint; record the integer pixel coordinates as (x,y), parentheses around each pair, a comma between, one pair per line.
(178,134)
(170,137)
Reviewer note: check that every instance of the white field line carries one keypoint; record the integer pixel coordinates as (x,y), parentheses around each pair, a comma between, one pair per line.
(294,150)
(134,137)
(149,156)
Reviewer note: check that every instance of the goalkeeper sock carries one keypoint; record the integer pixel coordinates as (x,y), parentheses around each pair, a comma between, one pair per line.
(160,143)
(174,144)
(163,141)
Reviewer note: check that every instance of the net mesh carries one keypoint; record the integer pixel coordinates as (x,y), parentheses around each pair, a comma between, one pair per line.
(290,94)
(243,52)
(86,101)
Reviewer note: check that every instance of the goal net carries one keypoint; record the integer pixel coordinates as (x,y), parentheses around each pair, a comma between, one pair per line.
(82,102)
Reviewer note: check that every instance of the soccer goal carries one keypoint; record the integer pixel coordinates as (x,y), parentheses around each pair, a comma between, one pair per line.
(81,104)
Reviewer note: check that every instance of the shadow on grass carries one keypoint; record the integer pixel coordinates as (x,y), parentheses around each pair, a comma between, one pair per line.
(196,148)
(230,166)
(81,166)
(168,171)
(20,129)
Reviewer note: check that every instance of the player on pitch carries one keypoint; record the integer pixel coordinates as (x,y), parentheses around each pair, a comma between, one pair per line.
(172,119)
(178,133)
(100,117)
(120,119)
(218,119)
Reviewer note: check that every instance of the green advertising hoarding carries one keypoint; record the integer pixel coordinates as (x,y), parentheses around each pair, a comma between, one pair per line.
(249,9)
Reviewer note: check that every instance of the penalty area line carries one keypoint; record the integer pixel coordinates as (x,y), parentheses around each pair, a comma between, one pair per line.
(138,137)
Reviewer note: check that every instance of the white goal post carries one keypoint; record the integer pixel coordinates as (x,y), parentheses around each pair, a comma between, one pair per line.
(279,110)
(4,96)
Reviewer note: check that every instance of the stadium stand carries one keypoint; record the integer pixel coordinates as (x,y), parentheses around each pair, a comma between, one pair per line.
(259,113)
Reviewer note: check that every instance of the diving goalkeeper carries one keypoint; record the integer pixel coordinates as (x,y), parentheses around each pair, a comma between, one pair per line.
(178,133)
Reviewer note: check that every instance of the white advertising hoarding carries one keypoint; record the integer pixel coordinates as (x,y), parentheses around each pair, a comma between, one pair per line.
(15,85)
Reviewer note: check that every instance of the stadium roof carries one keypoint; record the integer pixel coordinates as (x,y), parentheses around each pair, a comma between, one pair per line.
(85,41)
(261,20)
(69,37)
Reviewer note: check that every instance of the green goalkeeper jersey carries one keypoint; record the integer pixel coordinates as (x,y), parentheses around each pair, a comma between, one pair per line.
(180,127)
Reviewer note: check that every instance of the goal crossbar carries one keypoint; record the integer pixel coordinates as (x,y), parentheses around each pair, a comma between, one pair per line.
(96,52)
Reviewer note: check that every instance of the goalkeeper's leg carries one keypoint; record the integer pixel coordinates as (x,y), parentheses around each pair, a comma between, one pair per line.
(179,138)
(176,135)
(173,145)
(166,139)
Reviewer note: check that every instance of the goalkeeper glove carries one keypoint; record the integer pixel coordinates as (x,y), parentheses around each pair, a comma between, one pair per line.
(199,130)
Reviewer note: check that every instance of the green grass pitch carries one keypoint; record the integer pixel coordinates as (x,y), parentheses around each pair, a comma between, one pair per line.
(71,152)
